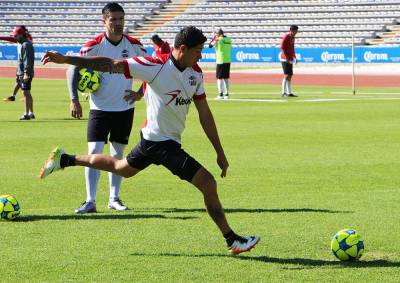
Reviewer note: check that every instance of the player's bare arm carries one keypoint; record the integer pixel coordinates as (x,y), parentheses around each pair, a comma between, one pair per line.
(102,64)
(208,124)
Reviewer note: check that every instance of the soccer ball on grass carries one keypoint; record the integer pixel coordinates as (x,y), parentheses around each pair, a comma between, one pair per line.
(88,80)
(347,245)
(9,207)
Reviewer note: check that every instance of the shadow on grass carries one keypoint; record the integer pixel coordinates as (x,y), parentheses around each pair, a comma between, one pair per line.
(247,210)
(299,262)
(28,218)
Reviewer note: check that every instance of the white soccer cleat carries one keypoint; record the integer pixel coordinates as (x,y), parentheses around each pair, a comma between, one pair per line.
(243,245)
(117,205)
(52,163)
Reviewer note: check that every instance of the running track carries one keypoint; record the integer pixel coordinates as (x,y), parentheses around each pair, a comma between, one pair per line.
(252,78)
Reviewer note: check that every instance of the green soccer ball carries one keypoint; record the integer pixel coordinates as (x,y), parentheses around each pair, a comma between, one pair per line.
(9,207)
(88,80)
(347,245)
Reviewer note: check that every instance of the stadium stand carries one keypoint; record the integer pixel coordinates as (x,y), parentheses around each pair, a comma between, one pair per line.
(248,23)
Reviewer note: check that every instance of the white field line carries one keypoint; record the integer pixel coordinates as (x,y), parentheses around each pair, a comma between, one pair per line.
(309,100)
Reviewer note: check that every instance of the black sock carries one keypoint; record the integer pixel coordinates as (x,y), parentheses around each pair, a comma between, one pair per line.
(230,237)
(67,160)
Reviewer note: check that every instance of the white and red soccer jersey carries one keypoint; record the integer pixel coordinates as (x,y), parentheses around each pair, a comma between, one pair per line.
(169,93)
(109,97)
(287,47)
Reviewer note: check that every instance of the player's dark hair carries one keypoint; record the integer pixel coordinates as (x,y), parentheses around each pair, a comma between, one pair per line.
(156,39)
(189,36)
(111,7)
(294,28)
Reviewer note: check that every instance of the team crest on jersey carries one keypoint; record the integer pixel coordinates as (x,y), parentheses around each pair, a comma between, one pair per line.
(192,80)
(124,53)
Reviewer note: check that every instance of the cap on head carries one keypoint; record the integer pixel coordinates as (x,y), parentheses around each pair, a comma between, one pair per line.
(19,30)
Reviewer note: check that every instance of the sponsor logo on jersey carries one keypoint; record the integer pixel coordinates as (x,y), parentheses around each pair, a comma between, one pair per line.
(179,100)
(124,53)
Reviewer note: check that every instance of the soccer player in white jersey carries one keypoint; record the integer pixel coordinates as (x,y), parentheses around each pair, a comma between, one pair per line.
(111,110)
(173,82)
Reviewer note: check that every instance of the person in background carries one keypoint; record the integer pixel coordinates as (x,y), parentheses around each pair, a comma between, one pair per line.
(160,47)
(223,46)
(111,106)
(288,58)
(25,68)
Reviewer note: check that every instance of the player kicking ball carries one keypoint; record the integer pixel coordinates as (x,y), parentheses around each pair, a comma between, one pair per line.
(173,83)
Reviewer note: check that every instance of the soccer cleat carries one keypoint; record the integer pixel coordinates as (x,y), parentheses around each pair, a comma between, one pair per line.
(220,96)
(52,163)
(24,117)
(31,116)
(284,95)
(226,96)
(291,95)
(117,205)
(86,207)
(10,98)
(243,244)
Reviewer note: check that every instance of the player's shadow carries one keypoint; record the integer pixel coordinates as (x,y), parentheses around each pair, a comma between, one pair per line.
(246,210)
(299,263)
(29,218)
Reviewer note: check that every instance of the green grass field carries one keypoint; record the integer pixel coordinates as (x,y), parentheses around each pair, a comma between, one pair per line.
(300,170)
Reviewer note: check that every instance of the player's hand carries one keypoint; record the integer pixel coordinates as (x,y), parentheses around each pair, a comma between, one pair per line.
(76,109)
(223,164)
(54,57)
(132,96)
(25,78)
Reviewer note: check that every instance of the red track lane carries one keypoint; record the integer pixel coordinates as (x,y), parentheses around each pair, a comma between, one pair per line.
(252,78)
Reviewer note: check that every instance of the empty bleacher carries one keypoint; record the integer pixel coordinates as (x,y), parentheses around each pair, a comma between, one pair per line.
(249,23)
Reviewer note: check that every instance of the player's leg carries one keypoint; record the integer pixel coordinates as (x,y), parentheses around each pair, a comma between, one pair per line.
(285,79)
(220,82)
(227,69)
(28,104)
(172,156)
(289,80)
(121,127)
(15,91)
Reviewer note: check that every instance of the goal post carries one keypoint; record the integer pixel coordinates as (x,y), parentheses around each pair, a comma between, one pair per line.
(353,73)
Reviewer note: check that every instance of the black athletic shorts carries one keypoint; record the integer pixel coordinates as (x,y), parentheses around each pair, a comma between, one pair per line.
(116,124)
(287,68)
(223,71)
(23,85)
(168,153)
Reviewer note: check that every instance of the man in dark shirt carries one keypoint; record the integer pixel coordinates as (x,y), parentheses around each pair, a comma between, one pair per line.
(25,65)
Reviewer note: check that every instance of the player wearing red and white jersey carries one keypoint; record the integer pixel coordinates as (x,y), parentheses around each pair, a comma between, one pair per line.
(288,58)
(172,84)
(111,107)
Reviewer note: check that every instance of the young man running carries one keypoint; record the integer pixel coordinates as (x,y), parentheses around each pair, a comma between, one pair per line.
(173,83)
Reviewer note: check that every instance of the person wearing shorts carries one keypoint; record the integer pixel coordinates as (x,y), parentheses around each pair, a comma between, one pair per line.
(111,106)
(173,83)
(288,58)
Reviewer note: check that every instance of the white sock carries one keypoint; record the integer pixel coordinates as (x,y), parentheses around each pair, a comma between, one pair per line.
(117,151)
(284,84)
(92,175)
(226,81)
(289,87)
(220,86)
